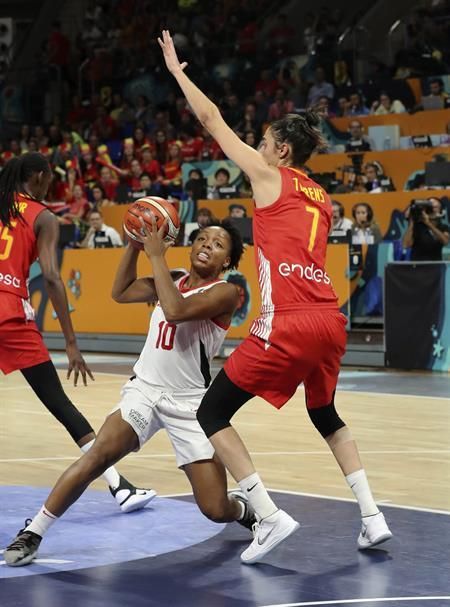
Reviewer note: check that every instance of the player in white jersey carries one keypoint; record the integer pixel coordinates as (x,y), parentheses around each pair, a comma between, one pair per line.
(188,326)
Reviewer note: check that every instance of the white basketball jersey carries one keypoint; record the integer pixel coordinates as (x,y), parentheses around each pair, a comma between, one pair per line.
(176,356)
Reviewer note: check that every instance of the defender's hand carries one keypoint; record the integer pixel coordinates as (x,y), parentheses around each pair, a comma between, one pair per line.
(78,365)
(170,55)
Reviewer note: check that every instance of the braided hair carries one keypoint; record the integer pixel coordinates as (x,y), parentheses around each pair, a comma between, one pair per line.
(15,173)
(302,132)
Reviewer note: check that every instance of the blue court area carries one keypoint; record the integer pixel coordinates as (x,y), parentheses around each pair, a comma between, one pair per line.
(170,555)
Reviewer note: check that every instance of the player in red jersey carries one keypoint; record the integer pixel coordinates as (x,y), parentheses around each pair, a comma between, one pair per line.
(300,334)
(28,230)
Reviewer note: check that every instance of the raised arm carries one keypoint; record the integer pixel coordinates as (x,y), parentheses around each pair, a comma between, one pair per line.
(47,232)
(261,175)
(128,288)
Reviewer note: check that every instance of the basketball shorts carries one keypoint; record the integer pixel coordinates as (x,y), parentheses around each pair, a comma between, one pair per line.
(21,343)
(304,347)
(148,410)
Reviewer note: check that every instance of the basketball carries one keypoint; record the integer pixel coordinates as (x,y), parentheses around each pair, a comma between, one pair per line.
(148,207)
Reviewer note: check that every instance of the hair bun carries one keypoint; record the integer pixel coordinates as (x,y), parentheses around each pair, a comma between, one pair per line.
(312,118)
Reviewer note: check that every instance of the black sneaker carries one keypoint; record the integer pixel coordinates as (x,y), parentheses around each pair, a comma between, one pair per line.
(129,497)
(249,518)
(23,549)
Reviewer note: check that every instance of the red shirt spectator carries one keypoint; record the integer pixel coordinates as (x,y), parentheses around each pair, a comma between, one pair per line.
(266,83)
(58,46)
(149,164)
(190,148)
(280,107)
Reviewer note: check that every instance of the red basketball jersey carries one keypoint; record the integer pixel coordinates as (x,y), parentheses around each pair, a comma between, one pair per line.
(18,248)
(290,239)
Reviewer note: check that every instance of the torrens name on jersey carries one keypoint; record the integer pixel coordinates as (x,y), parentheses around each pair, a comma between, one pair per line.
(10,280)
(308,272)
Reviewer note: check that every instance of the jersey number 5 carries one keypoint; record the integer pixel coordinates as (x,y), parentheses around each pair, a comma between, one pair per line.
(166,335)
(6,237)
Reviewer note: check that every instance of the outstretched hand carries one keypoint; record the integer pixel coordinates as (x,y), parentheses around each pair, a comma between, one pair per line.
(170,55)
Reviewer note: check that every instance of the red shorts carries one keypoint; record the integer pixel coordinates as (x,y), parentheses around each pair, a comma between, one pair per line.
(305,347)
(21,343)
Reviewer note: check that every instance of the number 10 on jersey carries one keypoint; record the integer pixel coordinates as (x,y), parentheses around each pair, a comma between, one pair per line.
(166,335)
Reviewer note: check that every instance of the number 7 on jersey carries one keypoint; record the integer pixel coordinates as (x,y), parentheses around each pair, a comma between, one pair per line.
(315,222)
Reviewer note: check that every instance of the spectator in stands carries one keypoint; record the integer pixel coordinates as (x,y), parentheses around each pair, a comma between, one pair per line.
(320,88)
(438,92)
(99,198)
(24,140)
(357,142)
(172,168)
(426,234)
(281,37)
(364,230)
(281,106)
(375,180)
(134,180)
(149,164)
(250,139)
(147,188)
(261,106)
(222,187)
(100,235)
(195,186)
(267,84)
(108,184)
(343,107)
(204,219)
(356,106)
(249,122)
(143,112)
(161,147)
(385,105)
(237,211)
(341,224)
(191,145)
(78,206)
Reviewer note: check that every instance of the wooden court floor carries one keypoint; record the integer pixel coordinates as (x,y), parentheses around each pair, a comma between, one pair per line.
(403,440)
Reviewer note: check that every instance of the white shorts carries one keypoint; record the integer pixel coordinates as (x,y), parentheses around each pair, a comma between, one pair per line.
(148,410)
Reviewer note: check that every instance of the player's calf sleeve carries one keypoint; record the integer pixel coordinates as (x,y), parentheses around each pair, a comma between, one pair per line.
(326,419)
(45,383)
(221,401)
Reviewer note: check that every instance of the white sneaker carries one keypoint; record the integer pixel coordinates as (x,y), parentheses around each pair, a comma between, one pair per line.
(374,531)
(268,533)
(129,498)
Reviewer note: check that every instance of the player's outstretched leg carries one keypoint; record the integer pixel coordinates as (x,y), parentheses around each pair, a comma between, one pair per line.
(209,484)
(115,440)
(45,383)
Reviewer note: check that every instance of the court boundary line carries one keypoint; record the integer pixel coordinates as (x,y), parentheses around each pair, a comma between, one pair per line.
(354,601)
(329,497)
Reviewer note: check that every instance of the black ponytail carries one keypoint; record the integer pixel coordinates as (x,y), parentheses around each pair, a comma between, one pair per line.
(15,173)
(302,132)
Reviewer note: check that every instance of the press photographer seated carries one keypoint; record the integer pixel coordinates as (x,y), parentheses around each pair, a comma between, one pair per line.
(426,235)
(99,235)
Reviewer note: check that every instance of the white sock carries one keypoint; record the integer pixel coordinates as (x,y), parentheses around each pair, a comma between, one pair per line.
(111,476)
(358,483)
(42,522)
(257,496)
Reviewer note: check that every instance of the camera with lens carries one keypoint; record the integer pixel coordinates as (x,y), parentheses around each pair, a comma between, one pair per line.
(417,207)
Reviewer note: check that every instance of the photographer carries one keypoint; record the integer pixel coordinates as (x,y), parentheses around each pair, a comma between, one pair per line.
(426,234)
(99,235)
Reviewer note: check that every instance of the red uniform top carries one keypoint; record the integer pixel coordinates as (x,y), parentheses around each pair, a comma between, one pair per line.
(290,239)
(18,248)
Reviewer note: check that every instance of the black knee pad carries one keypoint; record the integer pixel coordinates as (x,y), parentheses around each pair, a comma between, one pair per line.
(220,403)
(326,419)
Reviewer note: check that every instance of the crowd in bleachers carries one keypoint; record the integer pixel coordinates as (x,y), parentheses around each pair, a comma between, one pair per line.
(125,134)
